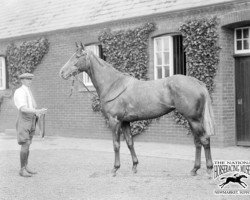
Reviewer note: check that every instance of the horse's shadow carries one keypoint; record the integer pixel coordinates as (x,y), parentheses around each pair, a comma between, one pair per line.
(234,179)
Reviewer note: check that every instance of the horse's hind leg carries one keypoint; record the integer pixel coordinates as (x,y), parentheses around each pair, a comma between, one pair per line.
(207,149)
(200,139)
(197,162)
(130,143)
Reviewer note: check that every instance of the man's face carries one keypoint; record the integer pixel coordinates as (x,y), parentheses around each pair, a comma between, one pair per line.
(26,82)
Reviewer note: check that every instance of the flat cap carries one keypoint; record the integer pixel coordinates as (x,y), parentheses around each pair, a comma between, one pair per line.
(26,76)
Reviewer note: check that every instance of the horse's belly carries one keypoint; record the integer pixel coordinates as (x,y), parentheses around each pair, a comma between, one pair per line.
(145,111)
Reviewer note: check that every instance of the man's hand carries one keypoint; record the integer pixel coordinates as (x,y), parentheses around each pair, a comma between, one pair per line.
(40,112)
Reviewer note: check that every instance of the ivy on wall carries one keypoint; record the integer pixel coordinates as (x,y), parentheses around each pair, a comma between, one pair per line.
(24,58)
(127,51)
(200,41)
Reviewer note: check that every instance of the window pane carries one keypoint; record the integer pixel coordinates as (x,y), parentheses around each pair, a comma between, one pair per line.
(158,44)
(246,44)
(245,33)
(166,43)
(238,34)
(158,58)
(159,72)
(94,49)
(166,58)
(88,79)
(239,45)
(167,72)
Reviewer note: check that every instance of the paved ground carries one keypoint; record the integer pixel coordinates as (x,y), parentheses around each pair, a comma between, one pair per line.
(71,169)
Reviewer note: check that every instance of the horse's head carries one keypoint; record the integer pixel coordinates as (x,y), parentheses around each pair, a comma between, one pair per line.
(78,63)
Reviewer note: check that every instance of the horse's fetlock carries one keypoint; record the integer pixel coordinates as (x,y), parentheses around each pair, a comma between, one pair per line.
(210,166)
(197,166)
(136,162)
(117,166)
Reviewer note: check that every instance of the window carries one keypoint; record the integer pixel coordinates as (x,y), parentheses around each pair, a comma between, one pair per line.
(163,50)
(2,73)
(169,57)
(242,39)
(97,50)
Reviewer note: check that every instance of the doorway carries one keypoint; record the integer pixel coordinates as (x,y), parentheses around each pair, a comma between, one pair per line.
(242,81)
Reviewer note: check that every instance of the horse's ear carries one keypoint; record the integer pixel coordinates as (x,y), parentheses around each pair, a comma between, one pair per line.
(76,45)
(83,47)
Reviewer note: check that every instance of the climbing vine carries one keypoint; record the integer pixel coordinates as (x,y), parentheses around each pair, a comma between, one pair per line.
(24,58)
(127,51)
(200,41)
(21,59)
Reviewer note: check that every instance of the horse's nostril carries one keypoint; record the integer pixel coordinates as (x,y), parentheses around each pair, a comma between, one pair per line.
(61,73)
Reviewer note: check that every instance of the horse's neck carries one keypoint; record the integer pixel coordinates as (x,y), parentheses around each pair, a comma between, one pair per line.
(102,75)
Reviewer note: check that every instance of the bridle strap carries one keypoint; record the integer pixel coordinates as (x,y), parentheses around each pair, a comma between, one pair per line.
(86,87)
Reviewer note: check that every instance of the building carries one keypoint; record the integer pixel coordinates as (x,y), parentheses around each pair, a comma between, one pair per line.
(63,22)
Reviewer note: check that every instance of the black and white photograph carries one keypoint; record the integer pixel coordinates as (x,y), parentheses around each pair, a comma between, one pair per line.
(124,99)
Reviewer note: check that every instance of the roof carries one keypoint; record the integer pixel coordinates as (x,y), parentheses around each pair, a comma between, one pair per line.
(22,17)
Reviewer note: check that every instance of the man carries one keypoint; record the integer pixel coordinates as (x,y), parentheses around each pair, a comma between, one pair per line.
(26,121)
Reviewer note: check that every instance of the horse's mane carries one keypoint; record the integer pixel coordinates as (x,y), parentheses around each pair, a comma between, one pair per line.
(100,61)
(103,63)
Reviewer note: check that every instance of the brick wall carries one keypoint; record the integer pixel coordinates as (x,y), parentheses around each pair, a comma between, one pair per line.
(73,116)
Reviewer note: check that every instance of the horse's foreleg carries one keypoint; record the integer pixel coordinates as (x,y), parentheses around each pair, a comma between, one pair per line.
(130,143)
(197,162)
(115,126)
(241,184)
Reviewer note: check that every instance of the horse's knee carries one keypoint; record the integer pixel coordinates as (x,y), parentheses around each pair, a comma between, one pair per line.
(116,146)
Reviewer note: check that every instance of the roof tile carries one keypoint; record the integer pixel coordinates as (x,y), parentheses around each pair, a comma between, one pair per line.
(21,17)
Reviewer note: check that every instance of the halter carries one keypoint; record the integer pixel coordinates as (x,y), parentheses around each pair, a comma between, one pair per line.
(80,81)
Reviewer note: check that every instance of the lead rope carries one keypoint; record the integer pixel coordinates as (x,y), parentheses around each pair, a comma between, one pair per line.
(80,81)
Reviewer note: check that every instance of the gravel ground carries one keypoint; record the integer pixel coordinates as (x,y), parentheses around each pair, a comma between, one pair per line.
(74,174)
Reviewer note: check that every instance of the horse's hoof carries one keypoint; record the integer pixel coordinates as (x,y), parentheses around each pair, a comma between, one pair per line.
(134,170)
(113,173)
(209,173)
(193,173)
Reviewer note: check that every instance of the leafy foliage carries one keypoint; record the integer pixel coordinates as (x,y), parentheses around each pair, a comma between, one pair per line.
(127,51)
(200,38)
(24,58)
(202,51)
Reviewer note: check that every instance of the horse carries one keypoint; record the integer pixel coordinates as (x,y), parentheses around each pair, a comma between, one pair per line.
(125,99)
(234,179)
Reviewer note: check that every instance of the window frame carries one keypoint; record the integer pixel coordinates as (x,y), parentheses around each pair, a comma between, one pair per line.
(3,66)
(242,51)
(171,57)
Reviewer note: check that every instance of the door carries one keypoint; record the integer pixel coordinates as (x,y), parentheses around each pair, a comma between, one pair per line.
(242,81)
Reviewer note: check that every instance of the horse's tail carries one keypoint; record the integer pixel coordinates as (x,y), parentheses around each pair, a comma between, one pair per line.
(208,115)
